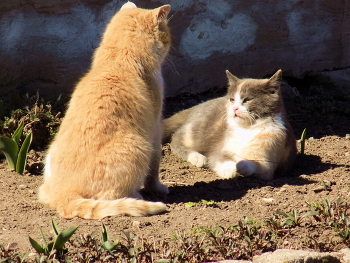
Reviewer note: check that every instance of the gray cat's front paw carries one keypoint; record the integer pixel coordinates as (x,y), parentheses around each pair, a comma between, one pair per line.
(246,168)
(197,159)
(226,169)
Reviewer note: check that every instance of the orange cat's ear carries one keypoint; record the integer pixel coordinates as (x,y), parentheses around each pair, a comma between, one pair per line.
(128,5)
(161,13)
(232,80)
(276,79)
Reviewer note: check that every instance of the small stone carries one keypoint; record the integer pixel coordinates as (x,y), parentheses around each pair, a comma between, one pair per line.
(347,136)
(318,189)
(268,200)
(283,189)
(22,186)
(136,224)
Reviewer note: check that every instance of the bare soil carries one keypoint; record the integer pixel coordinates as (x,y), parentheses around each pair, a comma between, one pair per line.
(326,161)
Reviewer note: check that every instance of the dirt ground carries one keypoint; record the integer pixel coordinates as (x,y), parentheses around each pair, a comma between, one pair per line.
(326,159)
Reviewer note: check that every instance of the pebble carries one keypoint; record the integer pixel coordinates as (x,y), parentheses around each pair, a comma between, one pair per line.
(283,189)
(268,200)
(136,224)
(318,189)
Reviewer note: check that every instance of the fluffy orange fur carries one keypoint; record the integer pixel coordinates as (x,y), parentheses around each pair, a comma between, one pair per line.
(108,144)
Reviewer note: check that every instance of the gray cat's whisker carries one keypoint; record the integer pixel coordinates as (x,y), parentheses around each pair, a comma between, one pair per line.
(168,59)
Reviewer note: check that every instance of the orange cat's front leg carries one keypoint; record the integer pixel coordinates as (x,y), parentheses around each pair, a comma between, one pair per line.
(152,183)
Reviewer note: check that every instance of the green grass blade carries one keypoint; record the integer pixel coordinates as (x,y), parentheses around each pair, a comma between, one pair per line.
(109,245)
(302,142)
(10,150)
(36,246)
(22,156)
(311,213)
(63,237)
(282,213)
(104,237)
(24,256)
(18,132)
(55,228)
(43,237)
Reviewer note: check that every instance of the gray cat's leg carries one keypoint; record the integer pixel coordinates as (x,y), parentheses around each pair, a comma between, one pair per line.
(246,168)
(261,169)
(152,183)
(178,147)
(223,166)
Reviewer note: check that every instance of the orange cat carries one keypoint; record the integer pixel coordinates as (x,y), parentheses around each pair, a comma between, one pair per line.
(108,145)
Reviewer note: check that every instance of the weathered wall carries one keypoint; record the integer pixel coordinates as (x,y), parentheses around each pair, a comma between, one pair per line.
(48,44)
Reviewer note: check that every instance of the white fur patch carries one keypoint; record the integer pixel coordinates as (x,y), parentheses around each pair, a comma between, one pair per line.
(226,169)
(187,138)
(237,137)
(246,168)
(197,159)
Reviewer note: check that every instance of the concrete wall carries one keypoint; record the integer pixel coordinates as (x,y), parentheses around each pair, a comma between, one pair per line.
(47,44)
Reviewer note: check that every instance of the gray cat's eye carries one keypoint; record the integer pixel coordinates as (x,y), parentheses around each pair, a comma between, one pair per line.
(232,100)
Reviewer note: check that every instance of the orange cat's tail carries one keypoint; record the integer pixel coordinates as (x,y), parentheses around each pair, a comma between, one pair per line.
(97,209)
(171,124)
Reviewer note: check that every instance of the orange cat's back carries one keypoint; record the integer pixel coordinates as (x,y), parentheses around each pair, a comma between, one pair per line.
(107,142)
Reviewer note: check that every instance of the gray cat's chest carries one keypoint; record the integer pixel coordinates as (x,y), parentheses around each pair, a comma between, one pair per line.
(235,140)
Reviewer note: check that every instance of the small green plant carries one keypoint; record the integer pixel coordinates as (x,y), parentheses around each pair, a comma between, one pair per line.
(294,219)
(190,204)
(55,247)
(39,116)
(208,203)
(8,254)
(334,214)
(302,142)
(105,241)
(16,156)
(202,202)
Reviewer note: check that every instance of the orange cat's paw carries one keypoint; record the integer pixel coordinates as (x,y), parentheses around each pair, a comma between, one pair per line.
(156,187)
(162,189)
(246,168)
(197,159)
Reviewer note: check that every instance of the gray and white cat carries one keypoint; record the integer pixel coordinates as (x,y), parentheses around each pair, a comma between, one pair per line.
(245,132)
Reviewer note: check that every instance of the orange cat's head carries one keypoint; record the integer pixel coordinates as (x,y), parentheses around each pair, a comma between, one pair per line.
(141,33)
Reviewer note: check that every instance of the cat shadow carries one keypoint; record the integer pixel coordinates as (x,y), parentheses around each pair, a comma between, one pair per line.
(220,189)
(309,164)
(233,189)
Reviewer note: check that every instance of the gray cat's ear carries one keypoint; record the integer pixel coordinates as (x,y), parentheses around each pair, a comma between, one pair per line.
(276,78)
(161,13)
(232,80)
(128,5)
